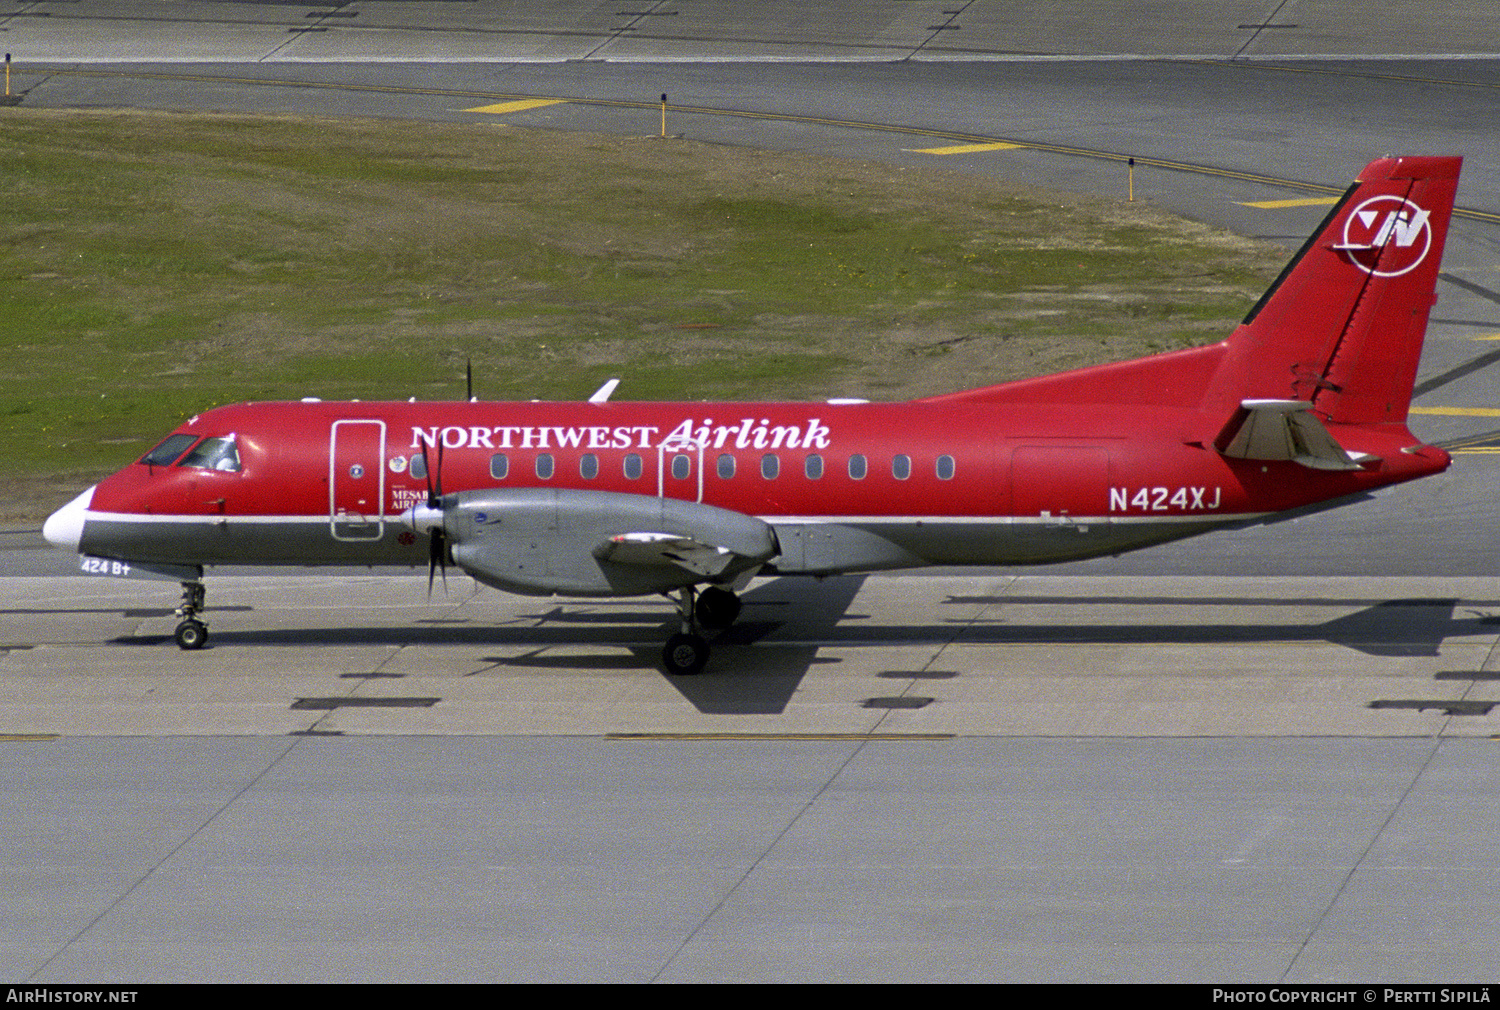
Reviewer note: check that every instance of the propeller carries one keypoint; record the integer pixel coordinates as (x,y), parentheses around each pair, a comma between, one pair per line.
(437,539)
(428,518)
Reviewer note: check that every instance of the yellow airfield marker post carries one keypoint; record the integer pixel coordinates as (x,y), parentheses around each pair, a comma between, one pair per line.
(663,117)
(8,98)
(1130,186)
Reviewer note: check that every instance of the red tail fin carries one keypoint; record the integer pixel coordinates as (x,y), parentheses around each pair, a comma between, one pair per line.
(1343,325)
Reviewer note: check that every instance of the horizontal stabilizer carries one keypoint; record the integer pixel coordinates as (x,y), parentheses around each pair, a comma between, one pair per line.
(702,559)
(1281,430)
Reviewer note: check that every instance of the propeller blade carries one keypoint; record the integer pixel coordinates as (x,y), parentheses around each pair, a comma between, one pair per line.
(434,475)
(437,547)
(437,559)
(427,472)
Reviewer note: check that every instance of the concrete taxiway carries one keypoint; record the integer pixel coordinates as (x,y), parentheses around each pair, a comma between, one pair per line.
(1033,655)
(1271,765)
(596,859)
(896,778)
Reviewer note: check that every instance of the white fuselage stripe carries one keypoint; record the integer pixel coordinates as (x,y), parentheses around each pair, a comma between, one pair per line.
(795,520)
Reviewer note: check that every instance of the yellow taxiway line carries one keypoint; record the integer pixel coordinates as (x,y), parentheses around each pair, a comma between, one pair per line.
(1313,201)
(517,106)
(1458,411)
(964,148)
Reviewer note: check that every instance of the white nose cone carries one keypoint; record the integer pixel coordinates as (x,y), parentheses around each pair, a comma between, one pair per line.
(64,528)
(422,518)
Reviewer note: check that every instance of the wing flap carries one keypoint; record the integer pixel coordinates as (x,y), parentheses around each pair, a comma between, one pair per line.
(707,560)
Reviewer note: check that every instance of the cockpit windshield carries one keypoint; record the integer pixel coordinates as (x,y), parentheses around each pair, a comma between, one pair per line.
(214,454)
(169,450)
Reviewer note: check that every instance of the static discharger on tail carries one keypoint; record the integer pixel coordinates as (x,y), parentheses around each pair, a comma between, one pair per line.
(1303,407)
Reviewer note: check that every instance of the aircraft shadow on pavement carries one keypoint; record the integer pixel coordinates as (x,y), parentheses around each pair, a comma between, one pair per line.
(751,675)
(1415,627)
(130,612)
(746,676)
(739,680)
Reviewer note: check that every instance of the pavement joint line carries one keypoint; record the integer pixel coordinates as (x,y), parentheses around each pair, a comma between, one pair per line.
(904,699)
(162,860)
(1364,857)
(754,865)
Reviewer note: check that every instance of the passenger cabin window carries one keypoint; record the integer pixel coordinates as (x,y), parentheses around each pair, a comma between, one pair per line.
(588,466)
(418,467)
(901,466)
(726,466)
(813,466)
(681,467)
(545,465)
(632,466)
(214,454)
(499,466)
(169,450)
(944,467)
(770,466)
(858,467)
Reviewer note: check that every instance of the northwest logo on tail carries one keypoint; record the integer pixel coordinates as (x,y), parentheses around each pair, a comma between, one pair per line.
(1387,236)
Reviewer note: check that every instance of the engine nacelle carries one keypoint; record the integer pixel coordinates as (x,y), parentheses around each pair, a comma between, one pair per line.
(541,541)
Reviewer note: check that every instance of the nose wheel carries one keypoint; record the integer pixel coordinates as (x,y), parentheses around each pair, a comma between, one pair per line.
(191,633)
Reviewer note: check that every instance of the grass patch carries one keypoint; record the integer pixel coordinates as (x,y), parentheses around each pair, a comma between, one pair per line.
(153,265)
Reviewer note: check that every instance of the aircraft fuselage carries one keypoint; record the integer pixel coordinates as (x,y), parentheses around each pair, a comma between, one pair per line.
(845,486)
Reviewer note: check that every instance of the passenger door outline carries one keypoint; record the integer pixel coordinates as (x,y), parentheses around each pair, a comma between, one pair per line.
(356,457)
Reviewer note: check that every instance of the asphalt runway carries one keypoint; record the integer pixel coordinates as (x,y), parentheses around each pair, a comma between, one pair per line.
(369,859)
(1258,756)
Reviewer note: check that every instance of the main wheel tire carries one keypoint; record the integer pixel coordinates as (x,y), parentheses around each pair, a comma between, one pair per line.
(685,655)
(191,635)
(717,608)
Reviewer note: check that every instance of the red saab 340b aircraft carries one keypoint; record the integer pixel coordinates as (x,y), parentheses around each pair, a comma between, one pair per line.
(1303,406)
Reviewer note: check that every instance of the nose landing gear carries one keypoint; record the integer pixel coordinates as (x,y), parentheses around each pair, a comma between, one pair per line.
(191,633)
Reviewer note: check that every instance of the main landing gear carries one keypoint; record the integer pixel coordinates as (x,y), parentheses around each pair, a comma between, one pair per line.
(191,633)
(686,652)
